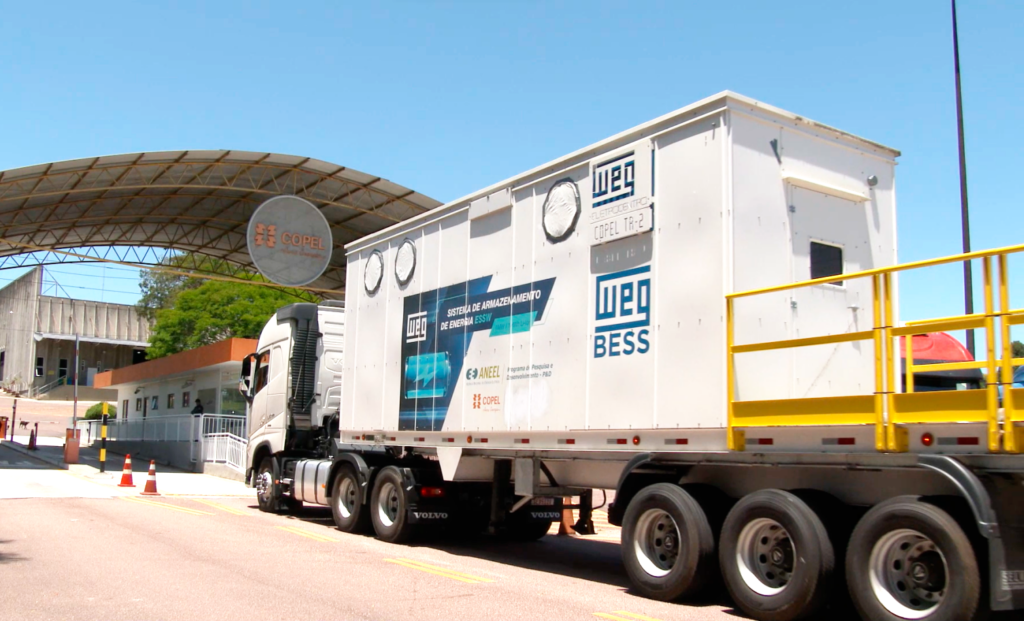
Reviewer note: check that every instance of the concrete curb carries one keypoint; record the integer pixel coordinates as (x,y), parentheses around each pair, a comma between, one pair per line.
(35,454)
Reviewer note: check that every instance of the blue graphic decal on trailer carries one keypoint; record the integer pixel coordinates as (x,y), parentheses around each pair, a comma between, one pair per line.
(439,326)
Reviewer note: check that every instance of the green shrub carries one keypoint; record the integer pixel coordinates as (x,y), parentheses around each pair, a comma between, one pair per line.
(96,412)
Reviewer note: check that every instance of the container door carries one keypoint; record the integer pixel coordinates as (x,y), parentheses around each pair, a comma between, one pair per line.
(831,236)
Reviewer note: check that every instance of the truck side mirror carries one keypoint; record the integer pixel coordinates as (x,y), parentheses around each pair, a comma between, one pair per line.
(243,382)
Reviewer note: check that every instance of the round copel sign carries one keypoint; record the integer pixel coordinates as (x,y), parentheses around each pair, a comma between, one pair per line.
(289,241)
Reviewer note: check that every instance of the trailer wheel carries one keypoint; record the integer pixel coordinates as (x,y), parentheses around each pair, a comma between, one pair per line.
(667,544)
(776,556)
(910,560)
(388,507)
(350,514)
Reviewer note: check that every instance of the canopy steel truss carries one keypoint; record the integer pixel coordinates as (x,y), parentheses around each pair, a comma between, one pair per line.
(195,202)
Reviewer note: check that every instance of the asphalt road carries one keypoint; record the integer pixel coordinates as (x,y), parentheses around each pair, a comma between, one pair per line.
(66,555)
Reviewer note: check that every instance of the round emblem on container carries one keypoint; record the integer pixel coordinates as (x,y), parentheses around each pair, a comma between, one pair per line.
(373,271)
(405,262)
(289,241)
(561,210)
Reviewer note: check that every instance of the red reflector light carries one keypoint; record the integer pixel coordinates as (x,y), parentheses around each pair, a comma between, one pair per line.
(846,441)
(766,441)
(419,439)
(636,440)
(484,440)
(682,441)
(927,439)
(431,492)
(620,440)
(967,441)
(570,440)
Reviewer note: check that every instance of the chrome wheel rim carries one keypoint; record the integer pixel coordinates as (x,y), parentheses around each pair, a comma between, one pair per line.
(908,574)
(346,498)
(264,486)
(656,542)
(765,556)
(388,504)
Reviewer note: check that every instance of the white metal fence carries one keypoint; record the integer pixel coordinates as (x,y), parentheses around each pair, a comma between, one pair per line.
(219,438)
(224,448)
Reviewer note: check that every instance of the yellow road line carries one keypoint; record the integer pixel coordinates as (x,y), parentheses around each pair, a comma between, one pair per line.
(626,616)
(306,533)
(445,569)
(163,505)
(440,571)
(215,505)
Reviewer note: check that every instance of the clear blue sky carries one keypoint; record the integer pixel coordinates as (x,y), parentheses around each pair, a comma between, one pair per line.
(449,97)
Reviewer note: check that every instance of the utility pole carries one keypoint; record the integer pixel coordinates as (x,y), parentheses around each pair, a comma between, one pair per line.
(964,216)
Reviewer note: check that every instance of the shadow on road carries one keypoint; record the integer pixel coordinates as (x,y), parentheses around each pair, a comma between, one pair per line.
(576,557)
(9,557)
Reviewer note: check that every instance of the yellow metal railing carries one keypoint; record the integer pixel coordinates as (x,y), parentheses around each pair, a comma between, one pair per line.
(888,409)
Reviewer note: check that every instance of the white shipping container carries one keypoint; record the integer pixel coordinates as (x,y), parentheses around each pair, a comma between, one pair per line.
(586,298)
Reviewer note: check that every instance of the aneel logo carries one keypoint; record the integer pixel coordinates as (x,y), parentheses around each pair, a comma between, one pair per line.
(483,373)
(416,327)
(613,180)
(623,313)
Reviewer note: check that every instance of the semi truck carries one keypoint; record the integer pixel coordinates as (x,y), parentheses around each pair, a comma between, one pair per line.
(700,314)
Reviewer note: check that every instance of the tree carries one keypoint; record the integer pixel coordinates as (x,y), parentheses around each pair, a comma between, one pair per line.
(95,411)
(161,289)
(212,312)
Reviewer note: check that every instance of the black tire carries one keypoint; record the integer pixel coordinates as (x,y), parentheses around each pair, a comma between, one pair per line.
(776,574)
(390,518)
(266,491)
(353,516)
(879,532)
(525,531)
(669,567)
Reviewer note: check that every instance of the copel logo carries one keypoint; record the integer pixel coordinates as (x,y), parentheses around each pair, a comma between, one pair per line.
(416,327)
(266,235)
(623,317)
(486,402)
(614,179)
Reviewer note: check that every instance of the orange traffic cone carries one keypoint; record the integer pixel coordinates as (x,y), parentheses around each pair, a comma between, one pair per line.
(126,474)
(151,481)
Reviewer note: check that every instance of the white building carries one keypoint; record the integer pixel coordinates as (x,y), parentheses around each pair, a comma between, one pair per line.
(172,385)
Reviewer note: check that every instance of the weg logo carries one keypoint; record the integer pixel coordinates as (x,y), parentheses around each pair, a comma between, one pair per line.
(614,180)
(623,317)
(266,235)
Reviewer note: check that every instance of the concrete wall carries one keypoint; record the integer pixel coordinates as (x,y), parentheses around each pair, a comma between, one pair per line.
(119,322)
(24,314)
(175,454)
(17,325)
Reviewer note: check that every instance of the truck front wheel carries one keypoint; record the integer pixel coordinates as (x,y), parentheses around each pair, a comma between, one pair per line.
(910,560)
(668,547)
(389,509)
(266,495)
(350,514)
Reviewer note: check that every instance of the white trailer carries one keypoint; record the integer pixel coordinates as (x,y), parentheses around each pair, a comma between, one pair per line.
(636,316)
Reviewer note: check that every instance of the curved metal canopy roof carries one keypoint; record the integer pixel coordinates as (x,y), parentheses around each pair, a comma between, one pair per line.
(190,201)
